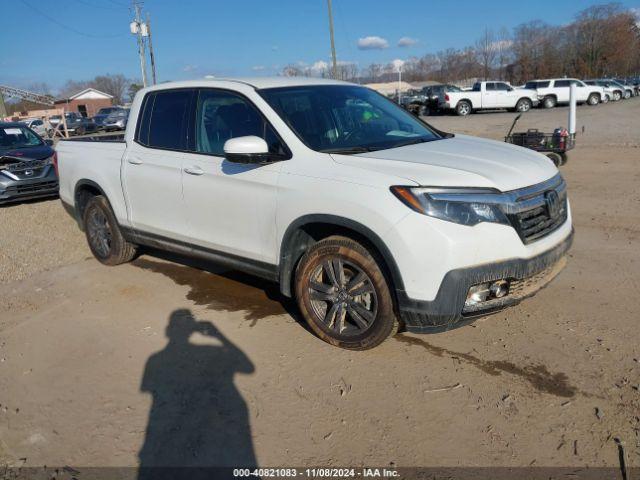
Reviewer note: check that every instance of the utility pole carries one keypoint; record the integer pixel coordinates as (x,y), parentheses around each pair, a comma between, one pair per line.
(333,45)
(151,56)
(136,28)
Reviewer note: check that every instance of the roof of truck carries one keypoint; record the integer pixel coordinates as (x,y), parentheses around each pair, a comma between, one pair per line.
(256,82)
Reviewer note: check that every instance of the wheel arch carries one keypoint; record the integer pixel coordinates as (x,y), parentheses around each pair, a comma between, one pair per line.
(309,229)
(83,191)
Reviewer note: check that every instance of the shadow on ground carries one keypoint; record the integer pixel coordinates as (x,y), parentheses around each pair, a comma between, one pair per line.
(198,417)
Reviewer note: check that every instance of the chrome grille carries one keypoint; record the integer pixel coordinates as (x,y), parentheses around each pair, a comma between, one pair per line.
(540,211)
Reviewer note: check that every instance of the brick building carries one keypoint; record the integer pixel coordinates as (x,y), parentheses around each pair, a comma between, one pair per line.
(86,103)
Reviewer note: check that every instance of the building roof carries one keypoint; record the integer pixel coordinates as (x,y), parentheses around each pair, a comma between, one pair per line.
(90,93)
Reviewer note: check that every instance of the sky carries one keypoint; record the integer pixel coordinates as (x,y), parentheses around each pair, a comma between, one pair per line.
(53,41)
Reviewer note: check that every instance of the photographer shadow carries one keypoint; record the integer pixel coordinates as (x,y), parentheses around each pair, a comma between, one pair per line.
(198,417)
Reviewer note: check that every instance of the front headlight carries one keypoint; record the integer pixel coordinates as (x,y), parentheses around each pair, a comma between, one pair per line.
(466,206)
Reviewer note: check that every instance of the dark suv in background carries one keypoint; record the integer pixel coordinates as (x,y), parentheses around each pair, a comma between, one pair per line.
(27,164)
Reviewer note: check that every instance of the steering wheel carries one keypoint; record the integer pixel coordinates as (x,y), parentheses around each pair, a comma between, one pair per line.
(355,133)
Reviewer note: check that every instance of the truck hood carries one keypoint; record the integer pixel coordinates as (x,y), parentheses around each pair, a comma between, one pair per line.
(461,161)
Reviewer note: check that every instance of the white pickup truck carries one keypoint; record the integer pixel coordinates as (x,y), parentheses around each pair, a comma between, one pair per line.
(554,91)
(370,218)
(488,96)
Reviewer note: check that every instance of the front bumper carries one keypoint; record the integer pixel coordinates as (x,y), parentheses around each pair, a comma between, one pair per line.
(448,311)
(42,186)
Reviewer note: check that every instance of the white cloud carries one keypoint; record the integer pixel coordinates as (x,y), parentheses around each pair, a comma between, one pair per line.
(319,66)
(407,42)
(258,68)
(190,68)
(372,43)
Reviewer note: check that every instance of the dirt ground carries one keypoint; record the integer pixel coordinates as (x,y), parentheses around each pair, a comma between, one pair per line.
(158,362)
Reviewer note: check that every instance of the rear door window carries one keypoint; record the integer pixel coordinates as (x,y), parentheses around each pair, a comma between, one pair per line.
(163,123)
(562,83)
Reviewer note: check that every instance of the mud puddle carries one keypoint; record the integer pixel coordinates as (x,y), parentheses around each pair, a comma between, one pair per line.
(224,290)
(537,375)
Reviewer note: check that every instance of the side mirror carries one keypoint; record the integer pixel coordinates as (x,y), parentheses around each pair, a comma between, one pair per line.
(249,150)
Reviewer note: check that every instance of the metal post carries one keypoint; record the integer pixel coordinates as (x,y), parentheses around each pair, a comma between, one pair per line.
(3,108)
(333,45)
(400,85)
(572,109)
(141,53)
(151,56)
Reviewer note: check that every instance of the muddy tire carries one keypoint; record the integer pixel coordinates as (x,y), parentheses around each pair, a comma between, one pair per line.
(343,294)
(463,108)
(104,235)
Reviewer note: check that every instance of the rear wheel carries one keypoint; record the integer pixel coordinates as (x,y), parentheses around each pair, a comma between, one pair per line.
(103,233)
(593,99)
(524,105)
(617,96)
(606,98)
(343,294)
(549,102)
(463,108)
(627,94)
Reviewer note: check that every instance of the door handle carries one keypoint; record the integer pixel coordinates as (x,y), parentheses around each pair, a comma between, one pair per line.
(193,170)
(134,161)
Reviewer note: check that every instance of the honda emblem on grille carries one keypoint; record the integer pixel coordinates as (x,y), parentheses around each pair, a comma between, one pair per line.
(553,203)
(28,173)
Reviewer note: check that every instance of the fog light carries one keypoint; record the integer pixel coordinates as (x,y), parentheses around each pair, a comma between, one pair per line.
(487,291)
(499,289)
(478,293)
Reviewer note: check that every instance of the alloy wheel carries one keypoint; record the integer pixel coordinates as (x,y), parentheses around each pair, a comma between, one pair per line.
(99,232)
(342,297)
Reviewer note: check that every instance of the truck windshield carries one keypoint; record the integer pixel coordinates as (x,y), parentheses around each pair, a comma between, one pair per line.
(345,118)
(17,137)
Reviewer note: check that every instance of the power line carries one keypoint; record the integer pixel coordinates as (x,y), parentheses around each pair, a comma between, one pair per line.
(66,27)
(102,7)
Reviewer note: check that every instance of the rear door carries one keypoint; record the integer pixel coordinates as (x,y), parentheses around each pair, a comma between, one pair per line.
(152,167)
(230,207)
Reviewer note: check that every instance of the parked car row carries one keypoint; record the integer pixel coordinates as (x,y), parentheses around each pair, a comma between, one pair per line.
(493,95)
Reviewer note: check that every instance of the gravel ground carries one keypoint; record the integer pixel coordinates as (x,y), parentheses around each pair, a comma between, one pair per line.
(37,236)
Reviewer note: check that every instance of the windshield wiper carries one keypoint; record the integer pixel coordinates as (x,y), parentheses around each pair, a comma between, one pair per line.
(411,142)
(347,150)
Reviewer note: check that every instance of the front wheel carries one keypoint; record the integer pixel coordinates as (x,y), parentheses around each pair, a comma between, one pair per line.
(524,105)
(617,96)
(627,94)
(104,236)
(463,108)
(605,99)
(593,99)
(343,294)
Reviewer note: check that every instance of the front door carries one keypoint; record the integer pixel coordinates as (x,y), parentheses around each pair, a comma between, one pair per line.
(230,207)
(152,169)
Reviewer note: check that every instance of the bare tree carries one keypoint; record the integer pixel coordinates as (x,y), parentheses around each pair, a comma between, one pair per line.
(486,51)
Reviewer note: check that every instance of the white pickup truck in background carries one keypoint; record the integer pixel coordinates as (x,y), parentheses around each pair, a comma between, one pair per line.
(554,91)
(488,96)
(370,218)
